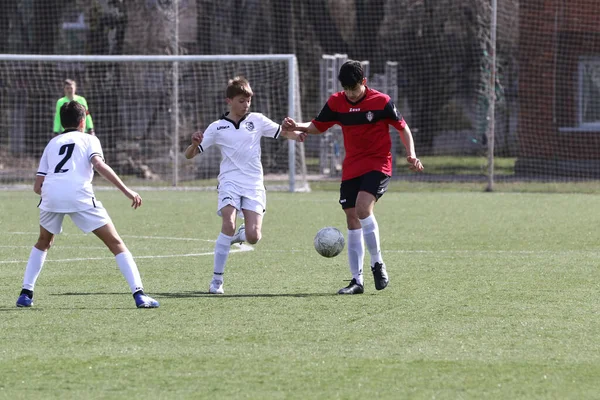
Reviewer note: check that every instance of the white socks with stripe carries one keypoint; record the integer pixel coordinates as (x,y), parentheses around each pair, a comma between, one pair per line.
(370,230)
(221,253)
(356,253)
(130,271)
(34,267)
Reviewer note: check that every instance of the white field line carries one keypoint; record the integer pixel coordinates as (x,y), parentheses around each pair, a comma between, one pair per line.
(124,236)
(437,251)
(244,247)
(56,247)
(237,249)
(458,251)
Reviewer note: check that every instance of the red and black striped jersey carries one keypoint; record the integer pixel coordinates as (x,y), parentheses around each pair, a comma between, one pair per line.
(365,125)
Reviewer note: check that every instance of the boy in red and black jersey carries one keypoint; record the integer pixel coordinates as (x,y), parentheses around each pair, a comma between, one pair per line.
(364,115)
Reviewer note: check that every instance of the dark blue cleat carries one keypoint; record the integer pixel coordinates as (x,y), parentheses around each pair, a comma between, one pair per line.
(24,301)
(144,301)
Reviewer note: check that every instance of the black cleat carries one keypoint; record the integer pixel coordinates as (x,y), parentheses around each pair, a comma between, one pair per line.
(380,275)
(352,288)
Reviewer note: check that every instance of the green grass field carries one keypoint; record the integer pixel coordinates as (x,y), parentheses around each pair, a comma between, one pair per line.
(492,295)
(446,165)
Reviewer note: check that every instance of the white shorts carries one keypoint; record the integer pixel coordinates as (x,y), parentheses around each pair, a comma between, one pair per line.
(87,220)
(242,199)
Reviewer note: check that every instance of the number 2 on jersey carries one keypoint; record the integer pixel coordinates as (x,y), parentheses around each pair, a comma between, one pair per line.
(68,149)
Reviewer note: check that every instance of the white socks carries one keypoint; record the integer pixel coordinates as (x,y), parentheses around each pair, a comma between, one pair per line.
(356,253)
(124,261)
(370,230)
(34,267)
(221,253)
(129,270)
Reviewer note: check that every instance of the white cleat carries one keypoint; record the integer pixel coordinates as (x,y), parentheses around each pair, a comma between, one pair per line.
(237,238)
(216,287)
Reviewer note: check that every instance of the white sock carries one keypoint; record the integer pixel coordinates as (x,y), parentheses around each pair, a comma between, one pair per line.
(130,271)
(371,235)
(34,267)
(221,253)
(356,254)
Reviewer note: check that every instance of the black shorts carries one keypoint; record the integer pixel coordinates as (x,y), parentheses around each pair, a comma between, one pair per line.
(374,182)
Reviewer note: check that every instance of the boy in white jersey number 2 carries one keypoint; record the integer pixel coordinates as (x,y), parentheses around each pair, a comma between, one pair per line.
(64,180)
(241,187)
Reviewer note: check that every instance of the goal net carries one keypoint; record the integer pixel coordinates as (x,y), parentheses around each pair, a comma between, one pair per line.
(503,91)
(144,110)
(492,90)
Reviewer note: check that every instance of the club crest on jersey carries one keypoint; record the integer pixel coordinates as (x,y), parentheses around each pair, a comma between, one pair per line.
(370,116)
(250,126)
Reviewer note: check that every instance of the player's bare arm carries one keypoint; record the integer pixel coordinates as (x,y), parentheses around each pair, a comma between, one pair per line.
(192,150)
(308,127)
(409,144)
(296,135)
(37,185)
(107,172)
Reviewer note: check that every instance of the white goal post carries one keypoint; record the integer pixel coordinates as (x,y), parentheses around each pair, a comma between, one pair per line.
(145,108)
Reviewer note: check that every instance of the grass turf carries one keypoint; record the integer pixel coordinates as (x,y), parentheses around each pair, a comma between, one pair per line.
(491,296)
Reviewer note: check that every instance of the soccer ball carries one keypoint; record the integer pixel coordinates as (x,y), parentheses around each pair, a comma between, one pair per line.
(329,242)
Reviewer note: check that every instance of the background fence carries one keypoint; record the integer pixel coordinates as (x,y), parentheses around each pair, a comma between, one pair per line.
(536,63)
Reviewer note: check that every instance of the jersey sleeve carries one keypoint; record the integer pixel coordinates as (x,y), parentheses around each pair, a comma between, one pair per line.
(269,128)
(209,139)
(57,125)
(89,124)
(327,117)
(95,148)
(390,112)
(43,167)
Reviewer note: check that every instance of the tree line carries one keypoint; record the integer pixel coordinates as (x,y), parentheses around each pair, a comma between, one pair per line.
(442,46)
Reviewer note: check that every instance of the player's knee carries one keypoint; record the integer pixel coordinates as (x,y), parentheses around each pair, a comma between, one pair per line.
(363,210)
(362,214)
(253,237)
(228,228)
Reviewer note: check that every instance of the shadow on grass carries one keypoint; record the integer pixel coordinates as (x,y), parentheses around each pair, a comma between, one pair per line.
(88,294)
(96,294)
(19,308)
(36,308)
(180,295)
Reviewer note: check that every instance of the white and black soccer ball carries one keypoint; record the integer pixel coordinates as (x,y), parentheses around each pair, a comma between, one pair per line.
(329,242)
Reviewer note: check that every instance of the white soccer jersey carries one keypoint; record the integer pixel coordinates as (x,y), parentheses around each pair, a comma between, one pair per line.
(240,148)
(68,171)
